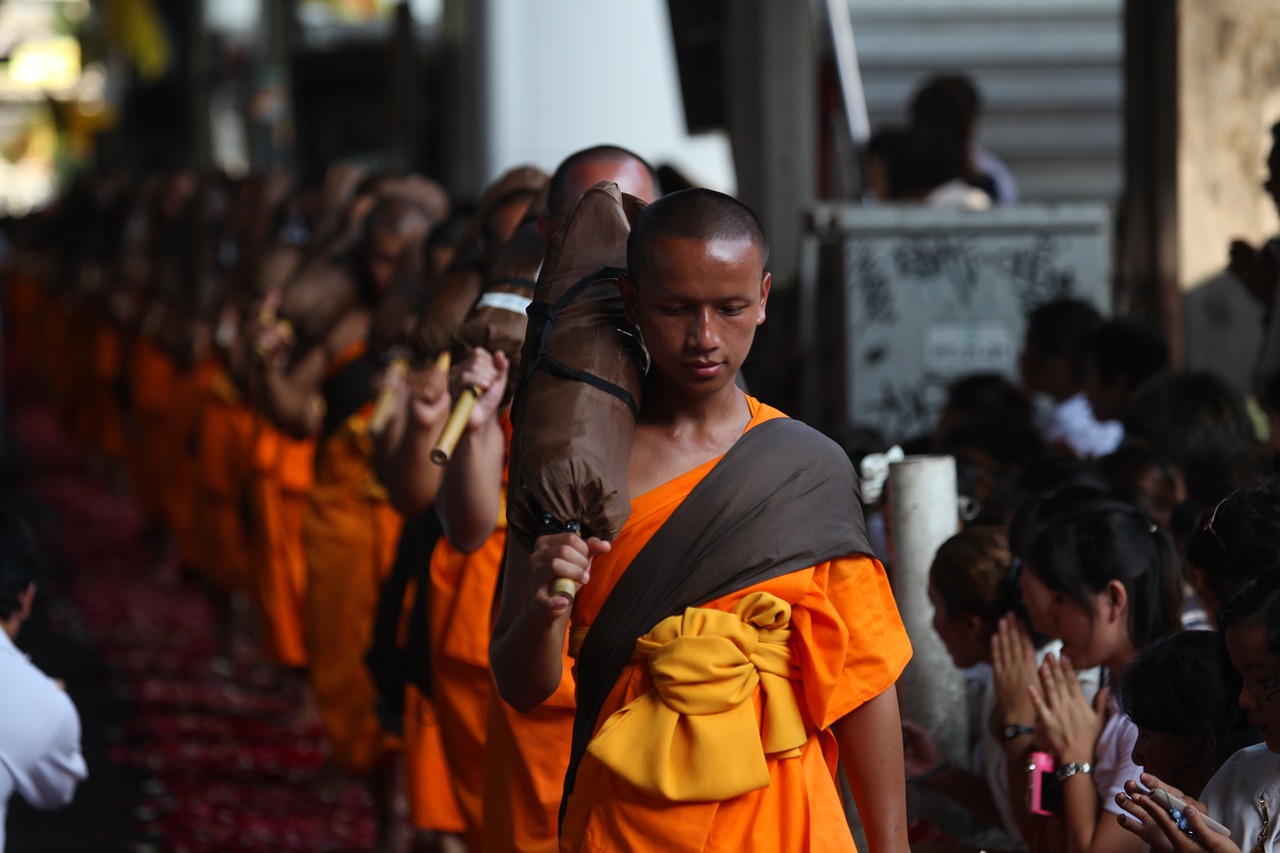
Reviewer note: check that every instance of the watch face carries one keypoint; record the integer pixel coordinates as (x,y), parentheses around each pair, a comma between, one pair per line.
(1012,731)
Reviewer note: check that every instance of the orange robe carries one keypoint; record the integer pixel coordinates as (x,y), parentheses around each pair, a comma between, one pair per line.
(847,646)
(349,535)
(283,469)
(179,481)
(23,298)
(432,804)
(152,379)
(219,535)
(462,595)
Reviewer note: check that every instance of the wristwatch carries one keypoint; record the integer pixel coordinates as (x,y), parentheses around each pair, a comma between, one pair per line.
(1013,730)
(1066,771)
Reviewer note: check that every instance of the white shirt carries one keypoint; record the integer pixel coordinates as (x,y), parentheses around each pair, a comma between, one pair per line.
(1114,755)
(1072,422)
(1236,794)
(39,736)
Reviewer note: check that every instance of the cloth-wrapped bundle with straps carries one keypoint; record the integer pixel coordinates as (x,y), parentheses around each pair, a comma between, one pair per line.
(497,323)
(499,320)
(453,296)
(582,370)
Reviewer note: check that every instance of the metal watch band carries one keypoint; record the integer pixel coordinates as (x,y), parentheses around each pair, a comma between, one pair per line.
(1066,771)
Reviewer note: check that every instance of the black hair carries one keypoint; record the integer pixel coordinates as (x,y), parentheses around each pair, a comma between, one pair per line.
(560,195)
(1124,468)
(1201,423)
(1061,328)
(1086,540)
(919,159)
(18,557)
(1179,686)
(1242,542)
(1129,348)
(949,100)
(699,214)
(1255,605)
(1037,484)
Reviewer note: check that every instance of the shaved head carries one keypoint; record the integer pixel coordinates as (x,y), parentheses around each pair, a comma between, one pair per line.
(696,214)
(584,169)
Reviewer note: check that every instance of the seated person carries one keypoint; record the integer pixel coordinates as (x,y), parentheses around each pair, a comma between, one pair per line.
(922,165)
(1179,696)
(1244,795)
(972,588)
(39,728)
(1118,358)
(1052,365)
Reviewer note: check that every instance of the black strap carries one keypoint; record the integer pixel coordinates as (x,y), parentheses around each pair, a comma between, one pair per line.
(545,313)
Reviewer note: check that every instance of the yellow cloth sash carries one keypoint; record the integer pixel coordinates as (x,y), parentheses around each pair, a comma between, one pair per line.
(695,737)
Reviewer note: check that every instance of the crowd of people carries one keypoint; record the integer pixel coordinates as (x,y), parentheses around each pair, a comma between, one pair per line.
(275,372)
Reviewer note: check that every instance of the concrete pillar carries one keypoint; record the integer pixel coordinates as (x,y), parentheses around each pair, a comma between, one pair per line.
(924,514)
(773,119)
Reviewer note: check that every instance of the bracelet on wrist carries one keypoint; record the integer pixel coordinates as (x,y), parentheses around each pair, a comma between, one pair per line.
(921,778)
(1013,731)
(1074,768)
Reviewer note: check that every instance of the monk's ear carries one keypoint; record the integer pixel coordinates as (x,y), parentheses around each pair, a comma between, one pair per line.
(765,284)
(627,289)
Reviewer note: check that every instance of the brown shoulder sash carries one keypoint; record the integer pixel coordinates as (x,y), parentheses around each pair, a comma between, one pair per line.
(784,498)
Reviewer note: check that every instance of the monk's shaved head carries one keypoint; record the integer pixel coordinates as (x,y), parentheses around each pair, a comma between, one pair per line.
(696,214)
(584,169)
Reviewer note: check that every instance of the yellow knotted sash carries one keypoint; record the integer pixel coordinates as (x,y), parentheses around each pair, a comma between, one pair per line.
(695,736)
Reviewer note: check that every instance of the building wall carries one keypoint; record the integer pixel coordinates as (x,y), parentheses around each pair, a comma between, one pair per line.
(560,75)
(1228,98)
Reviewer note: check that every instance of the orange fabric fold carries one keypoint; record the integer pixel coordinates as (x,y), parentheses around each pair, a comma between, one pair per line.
(350,533)
(280,479)
(432,804)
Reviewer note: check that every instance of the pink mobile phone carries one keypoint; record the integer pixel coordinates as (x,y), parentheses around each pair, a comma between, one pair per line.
(1044,791)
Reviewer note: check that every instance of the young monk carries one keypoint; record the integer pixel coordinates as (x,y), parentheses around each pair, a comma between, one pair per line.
(788,652)
(507,767)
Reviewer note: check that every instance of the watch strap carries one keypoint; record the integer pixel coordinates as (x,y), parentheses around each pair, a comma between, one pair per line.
(1066,771)
(1013,730)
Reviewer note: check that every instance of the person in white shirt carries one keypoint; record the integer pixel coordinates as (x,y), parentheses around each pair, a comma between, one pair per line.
(1052,366)
(1244,795)
(40,757)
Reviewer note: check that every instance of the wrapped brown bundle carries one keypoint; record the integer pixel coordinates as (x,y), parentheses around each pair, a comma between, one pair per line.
(458,289)
(317,297)
(421,192)
(583,366)
(498,322)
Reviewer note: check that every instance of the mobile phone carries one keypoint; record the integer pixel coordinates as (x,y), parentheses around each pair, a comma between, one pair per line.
(1177,809)
(1044,790)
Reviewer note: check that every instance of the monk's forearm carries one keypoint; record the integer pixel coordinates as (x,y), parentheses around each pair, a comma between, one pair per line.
(472,488)
(870,739)
(526,651)
(413,481)
(527,660)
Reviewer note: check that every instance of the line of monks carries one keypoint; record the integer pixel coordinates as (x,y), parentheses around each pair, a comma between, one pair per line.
(275,371)
(224,344)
